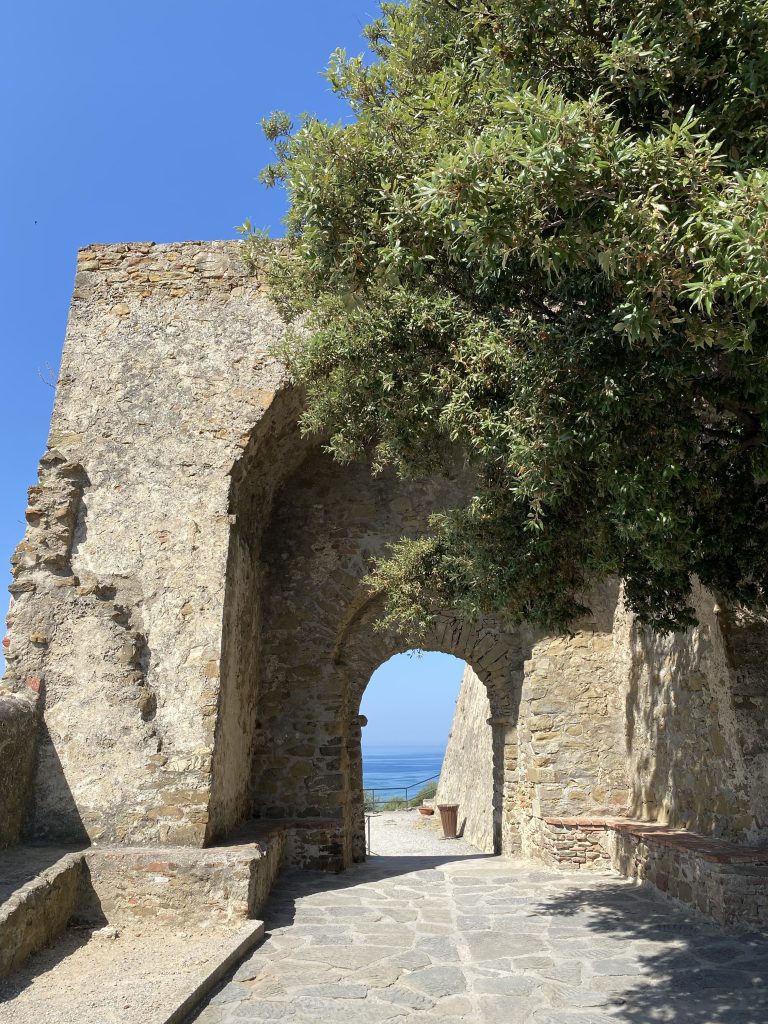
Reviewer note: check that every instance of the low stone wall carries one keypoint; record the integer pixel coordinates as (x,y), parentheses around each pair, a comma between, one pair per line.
(215,887)
(573,846)
(19,723)
(729,884)
(466,778)
(165,885)
(39,911)
(170,885)
(725,881)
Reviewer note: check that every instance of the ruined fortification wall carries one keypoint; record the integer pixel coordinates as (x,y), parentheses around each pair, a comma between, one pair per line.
(696,722)
(188,602)
(466,778)
(153,591)
(320,644)
(118,593)
(569,750)
(617,721)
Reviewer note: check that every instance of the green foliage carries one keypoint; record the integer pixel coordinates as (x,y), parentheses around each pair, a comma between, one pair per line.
(542,242)
(427,792)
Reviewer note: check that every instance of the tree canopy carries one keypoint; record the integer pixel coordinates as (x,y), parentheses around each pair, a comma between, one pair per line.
(541,240)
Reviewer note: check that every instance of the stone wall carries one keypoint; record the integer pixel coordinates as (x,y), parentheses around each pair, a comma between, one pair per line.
(466,777)
(189,598)
(614,720)
(39,911)
(727,882)
(566,752)
(161,598)
(573,844)
(696,722)
(720,882)
(571,732)
(118,595)
(320,644)
(193,887)
(19,725)
(44,890)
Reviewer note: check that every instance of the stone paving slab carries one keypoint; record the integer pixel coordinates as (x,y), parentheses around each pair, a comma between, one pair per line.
(516,945)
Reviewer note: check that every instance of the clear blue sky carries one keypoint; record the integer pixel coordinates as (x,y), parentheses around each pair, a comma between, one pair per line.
(410,700)
(134,121)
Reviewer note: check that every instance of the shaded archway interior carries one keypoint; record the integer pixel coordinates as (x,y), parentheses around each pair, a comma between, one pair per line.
(302,640)
(576,730)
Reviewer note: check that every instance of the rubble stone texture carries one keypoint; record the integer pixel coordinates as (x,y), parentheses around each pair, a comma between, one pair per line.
(189,623)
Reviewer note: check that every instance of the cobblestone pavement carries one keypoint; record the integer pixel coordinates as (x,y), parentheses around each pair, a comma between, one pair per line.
(469,938)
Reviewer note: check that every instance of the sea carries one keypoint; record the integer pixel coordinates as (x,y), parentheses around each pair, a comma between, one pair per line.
(389,770)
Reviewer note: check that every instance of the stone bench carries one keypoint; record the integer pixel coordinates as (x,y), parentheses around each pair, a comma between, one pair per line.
(726,881)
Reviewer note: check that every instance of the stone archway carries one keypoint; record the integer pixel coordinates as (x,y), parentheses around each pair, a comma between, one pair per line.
(495,655)
(301,641)
(189,634)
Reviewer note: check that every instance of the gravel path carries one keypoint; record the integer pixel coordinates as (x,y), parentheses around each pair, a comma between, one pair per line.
(463,938)
(407,833)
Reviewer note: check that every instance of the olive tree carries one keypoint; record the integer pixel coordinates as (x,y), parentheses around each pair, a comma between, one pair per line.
(539,243)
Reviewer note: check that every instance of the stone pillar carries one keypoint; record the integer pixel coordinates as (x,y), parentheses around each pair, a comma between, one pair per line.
(506,836)
(358,843)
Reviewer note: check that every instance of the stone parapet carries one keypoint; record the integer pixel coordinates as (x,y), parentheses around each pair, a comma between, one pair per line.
(729,887)
(147,269)
(42,890)
(172,885)
(726,881)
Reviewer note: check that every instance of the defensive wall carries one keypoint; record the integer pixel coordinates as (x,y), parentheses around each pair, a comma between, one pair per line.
(189,636)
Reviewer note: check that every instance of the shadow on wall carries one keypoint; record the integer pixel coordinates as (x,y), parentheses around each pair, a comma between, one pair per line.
(41,826)
(680,716)
(693,973)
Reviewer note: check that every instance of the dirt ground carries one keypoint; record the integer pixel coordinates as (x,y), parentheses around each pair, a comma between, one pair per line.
(137,976)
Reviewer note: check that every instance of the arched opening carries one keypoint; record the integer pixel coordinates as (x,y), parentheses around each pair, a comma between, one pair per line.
(426,733)
(407,710)
(301,639)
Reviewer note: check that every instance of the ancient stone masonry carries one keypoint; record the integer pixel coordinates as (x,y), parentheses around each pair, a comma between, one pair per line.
(19,726)
(321,647)
(190,635)
(466,777)
(118,598)
(694,737)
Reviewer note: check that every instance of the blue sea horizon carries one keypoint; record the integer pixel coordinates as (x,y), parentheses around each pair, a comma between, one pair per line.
(390,768)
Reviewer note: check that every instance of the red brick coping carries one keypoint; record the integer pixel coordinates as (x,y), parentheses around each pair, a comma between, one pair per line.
(718,851)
